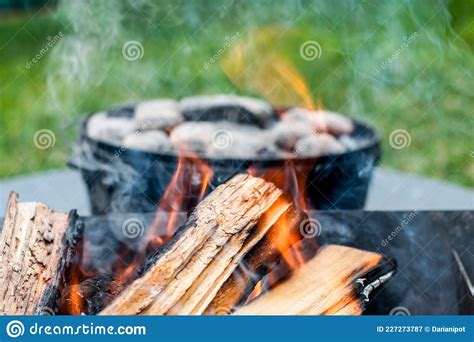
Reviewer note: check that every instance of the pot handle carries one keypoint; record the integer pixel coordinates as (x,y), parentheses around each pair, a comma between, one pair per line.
(115,171)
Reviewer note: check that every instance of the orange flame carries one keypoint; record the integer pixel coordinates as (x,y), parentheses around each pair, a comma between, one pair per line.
(75,295)
(287,239)
(124,275)
(252,63)
(295,81)
(187,187)
(192,176)
(290,177)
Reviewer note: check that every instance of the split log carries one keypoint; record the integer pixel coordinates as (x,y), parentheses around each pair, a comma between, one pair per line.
(337,281)
(261,250)
(36,247)
(258,262)
(187,274)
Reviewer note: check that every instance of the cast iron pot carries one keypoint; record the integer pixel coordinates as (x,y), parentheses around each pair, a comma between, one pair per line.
(126,180)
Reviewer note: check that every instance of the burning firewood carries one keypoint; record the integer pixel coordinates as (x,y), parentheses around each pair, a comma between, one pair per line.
(237,237)
(337,281)
(248,223)
(36,246)
(188,273)
(259,261)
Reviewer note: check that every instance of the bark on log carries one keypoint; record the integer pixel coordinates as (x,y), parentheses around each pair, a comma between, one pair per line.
(187,274)
(337,281)
(36,246)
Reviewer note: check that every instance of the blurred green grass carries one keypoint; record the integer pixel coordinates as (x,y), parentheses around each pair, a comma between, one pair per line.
(440,123)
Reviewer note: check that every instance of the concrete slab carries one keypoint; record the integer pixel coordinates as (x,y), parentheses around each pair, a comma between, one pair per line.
(390,190)
(61,190)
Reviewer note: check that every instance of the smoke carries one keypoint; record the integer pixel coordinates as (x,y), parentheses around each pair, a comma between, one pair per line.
(374,59)
(174,39)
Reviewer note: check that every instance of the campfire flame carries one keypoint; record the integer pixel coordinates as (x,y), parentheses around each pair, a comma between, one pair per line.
(76,302)
(293,247)
(186,189)
(292,179)
(294,253)
(295,80)
(285,243)
(249,64)
(253,64)
(188,185)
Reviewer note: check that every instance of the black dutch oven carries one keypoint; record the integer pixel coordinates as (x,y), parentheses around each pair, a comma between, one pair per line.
(126,180)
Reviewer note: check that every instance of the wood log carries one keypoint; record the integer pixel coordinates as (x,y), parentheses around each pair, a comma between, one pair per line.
(337,281)
(185,276)
(36,247)
(258,262)
(272,220)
